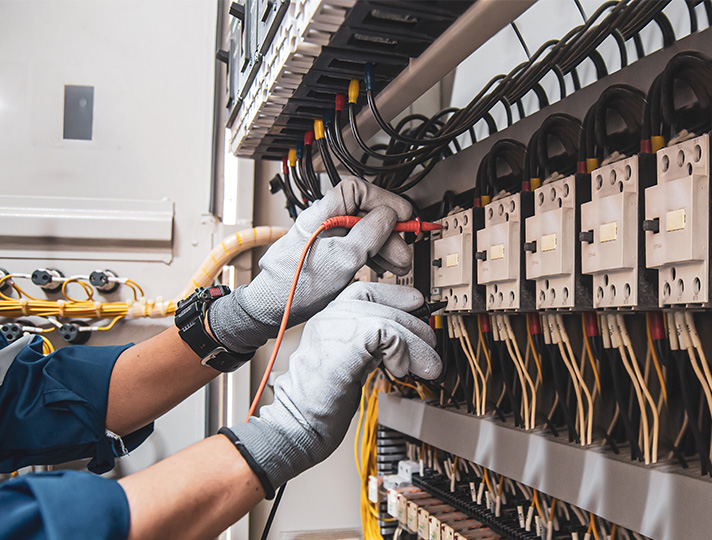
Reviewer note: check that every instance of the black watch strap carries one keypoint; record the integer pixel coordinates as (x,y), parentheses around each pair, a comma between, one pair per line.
(189,317)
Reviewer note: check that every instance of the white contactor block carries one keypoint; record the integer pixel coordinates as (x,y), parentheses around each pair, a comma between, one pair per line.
(610,238)
(452,252)
(499,253)
(551,244)
(677,221)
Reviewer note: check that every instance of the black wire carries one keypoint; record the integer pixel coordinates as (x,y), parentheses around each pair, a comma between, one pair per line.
(521,39)
(272,512)
(334,177)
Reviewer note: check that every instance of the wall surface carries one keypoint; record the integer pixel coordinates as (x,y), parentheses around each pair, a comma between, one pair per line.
(151,64)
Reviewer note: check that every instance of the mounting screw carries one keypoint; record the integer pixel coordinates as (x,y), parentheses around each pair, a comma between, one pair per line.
(438,263)
(586,236)
(530,246)
(481,255)
(652,225)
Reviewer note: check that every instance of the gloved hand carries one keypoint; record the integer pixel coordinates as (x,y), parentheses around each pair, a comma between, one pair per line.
(316,399)
(246,319)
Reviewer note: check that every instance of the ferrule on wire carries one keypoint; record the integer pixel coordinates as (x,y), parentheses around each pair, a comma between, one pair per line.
(292,157)
(369,76)
(340,102)
(354,90)
(308,138)
(318,129)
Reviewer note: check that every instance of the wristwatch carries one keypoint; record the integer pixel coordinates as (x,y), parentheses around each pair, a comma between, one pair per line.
(190,314)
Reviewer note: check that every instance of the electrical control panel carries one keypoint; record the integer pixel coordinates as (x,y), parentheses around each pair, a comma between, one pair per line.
(452,250)
(612,248)
(552,251)
(500,263)
(677,222)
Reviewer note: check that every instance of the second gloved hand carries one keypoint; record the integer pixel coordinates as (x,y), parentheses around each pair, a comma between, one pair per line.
(316,399)
(246,319)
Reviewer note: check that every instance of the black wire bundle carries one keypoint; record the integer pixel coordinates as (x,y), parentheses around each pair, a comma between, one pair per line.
(417,143)
(560,132)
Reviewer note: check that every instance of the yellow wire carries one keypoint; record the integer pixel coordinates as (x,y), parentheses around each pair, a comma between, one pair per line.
(614,528)
(499,486)
(134,286)
(87,289)
(533,350)
(656,361)
(589,353)
(538,506)
(593,527)
(487,481)
(484,348)
(551,510)
(111,324)
(47,346)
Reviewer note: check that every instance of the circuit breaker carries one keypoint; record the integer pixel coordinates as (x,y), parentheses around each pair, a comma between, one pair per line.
(500,263)
(452,277)
(612,248)
(677,223)
(552,250)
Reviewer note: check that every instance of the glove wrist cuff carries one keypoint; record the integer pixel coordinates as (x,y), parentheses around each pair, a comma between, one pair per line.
(259,471)
(235,328)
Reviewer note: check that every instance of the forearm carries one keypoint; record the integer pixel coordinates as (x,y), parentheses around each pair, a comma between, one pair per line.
(196,493)
(151,378)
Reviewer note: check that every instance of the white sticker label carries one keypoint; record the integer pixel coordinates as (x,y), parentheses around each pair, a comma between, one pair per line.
(488,501)
(452,483)
(548,242)
(473,492)
(423,524)
(480,492)
(402,515)
(422,467)
(392,503)
(530,515)
(520,515)
(675,220)
(412,521)
(434,528)
(608,232)
(373,489)
(574,536)
(539,528)
(497,505)
(497,252)
(452,260)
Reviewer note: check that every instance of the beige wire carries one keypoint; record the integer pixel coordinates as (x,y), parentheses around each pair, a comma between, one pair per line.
(513,339)
(586,391)
(503,335)
(474,362)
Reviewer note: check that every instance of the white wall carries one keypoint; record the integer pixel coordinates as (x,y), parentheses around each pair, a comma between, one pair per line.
(152,66)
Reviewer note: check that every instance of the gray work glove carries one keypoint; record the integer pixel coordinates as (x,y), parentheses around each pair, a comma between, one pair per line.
(316,399)
(246,319)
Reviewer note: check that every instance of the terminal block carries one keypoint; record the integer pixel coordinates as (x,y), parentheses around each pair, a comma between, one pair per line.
(452,272)
(500,263)
(612,246)
(677,223)
(552,251)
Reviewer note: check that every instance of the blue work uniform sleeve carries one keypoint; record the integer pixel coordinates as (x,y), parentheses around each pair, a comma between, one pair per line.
(62,505)
(54,408)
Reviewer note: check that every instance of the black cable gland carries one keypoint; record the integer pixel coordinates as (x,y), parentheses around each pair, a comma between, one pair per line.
(586,236)
(652,225)
(11,332)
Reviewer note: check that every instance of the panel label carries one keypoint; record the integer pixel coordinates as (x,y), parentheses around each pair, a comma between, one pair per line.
(675,220)
(608,232)
(452,260)
(548,242)
(497,252)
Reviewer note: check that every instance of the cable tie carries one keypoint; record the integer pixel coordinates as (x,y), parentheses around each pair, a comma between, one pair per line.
(60,307)
(97,309)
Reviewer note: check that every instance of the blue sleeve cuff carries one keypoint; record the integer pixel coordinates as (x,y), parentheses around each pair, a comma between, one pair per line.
(63,504)
(54,409)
